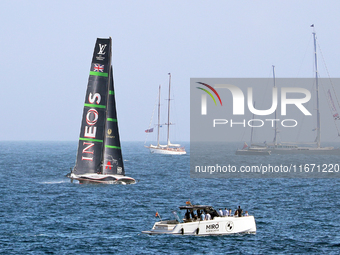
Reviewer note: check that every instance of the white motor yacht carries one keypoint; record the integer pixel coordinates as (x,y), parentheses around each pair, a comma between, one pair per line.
(193,225)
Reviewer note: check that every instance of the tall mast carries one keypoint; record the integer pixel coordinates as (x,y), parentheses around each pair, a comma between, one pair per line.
(318,127)
(169,110)
(252,130)
(275,128)
(159,109)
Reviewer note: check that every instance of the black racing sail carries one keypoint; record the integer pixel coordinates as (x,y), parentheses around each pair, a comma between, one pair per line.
(112,158)
(99,145)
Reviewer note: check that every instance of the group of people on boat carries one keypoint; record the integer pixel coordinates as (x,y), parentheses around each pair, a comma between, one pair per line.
(238,212)
(210,213)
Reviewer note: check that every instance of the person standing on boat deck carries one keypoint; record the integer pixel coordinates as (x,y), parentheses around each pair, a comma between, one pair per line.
(192,214)
(187,215)
(230,212)
(207,216)
(225,212)
(246,214)
(220,212)
(213,213)
(239,211)
(199,213)
(202,216)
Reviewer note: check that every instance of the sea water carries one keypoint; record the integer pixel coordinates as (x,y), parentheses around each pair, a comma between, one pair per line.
(42,212)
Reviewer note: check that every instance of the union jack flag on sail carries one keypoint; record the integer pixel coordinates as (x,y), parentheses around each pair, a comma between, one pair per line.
(98,68)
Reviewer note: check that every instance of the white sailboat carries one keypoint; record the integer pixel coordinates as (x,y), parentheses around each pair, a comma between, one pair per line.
(169,148)
(253,149)
(290,148)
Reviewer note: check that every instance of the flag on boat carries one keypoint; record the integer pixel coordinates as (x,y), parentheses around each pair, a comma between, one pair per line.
(157,215)
(245,145)
(150,130)
(98,68)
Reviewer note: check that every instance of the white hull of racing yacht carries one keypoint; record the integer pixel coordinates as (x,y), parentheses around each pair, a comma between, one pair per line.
(102,179)
(218,226)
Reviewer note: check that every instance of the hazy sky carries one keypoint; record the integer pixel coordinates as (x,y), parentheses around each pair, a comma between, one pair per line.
(47,46)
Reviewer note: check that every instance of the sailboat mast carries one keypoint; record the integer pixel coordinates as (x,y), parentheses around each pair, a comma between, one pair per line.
(252,130)
(318,128)
(275,128)
(159,110)
(168,137)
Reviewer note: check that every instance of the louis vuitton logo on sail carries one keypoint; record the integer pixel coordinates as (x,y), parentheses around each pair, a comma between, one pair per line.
(101,49)
(101,52)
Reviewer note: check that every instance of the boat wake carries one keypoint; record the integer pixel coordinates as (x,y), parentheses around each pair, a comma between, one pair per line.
(54,182)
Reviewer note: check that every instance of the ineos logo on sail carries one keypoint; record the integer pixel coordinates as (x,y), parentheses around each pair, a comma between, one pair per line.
(92,117)
(91,130)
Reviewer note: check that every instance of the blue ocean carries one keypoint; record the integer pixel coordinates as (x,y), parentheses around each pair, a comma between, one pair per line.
(42,212)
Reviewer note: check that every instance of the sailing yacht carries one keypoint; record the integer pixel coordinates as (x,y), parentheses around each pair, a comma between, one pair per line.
(169,148)
(99,157)
(253,149)
(290,148)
